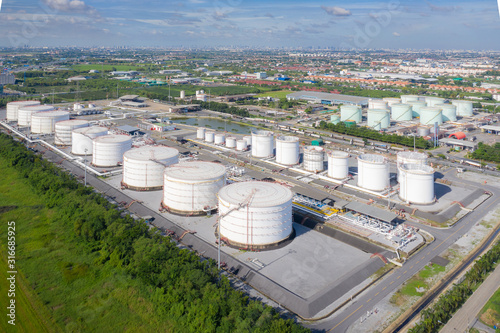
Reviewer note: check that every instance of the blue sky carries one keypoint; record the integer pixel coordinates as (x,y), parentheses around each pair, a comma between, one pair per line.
(391,24)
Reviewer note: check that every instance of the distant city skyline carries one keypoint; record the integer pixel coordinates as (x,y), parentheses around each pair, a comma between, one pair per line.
(396,24)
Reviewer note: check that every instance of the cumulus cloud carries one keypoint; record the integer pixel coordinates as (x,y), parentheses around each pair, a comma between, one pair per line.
(71,6)
(397,34)
(336,11)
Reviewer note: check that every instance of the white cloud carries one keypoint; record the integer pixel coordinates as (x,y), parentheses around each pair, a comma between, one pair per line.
(397,34)
(337,11)
(71,6)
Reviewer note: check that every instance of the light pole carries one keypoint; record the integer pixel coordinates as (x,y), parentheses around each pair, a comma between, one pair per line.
(218,247)
(85,162)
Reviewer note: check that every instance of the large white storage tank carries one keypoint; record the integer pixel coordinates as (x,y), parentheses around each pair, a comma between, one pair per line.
(464,108)
(45,122)
(373,172)
(200,133)
(143,167)
(449,111)
(350,112)
(410,157)
(416,106)
(81,139)
(108,150)
(409,98)
(241,145)
(24,113)
(417,184)
(13,107)
(209,137)
(401,112)
(231,142)
(378,119)
(262,144)
(338,164)
(287,150)
(432,101)
(191,187)
(377,104)
(431,115)
(219,139)
(248,139)
(65,128)
(255,214)
(314,158)
(391,100)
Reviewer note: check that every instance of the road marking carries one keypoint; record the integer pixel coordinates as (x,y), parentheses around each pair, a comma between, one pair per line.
(345,319)
(368,301)
(384,288)
(411,267)
(428,252)
(377,293)
(405,272)
(391,282)
(398,277)
(417,262)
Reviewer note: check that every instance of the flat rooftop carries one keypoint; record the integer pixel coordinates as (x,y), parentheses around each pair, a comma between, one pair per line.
(321,96)
(371,211)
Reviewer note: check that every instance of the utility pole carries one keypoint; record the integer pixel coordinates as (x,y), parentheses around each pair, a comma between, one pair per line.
(53,92)
(85,162)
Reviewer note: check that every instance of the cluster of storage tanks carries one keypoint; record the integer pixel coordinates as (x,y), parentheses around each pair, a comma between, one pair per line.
(40,118)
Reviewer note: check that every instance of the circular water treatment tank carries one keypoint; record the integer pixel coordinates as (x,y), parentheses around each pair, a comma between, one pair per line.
(401,112)
(411,157)
(81,139)
(409,98)
(191,187)
(464,108)
(108,150)
(65,128)
(377,104)
(230,142)
(416,106)
(143,167)
(350,112)
(255,214)
(45,122)
(431,115)
(241,145)
(449,111)
(416,184)
(13,107)
(391,100)
(24,113)
(287,150)
(378,119)
(432,101)
(200,133)
(314,158)
(338,164)
(262,144)
(209,136)
(373,172)
(335,119)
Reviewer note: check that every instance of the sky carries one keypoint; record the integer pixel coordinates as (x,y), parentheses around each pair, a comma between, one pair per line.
(363,24)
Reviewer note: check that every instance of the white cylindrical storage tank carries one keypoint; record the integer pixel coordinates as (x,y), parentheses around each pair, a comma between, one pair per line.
(401,112)
(432,101)
(431,115)
(377,104)
(248,140)
(255,214)
(335,119)
(262,144)
(219,139)
(314,158)
(416,106)
(108,150)
(200,133)
(45,122)
(143,167)
(13,107)
(350,112)
(241,145)
(449,111)
(183,94)
(423,131)
(378,119)
(65,128)
(287,150)
(77,106)
(24,113)
(464,108)
(409,98)
(373,172)
(191,187)
(417,184)
(209,136)
(81,139)
(230,142)
(338,164)
(411,157)
(391,100)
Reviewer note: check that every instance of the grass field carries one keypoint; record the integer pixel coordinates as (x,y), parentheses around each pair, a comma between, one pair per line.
(490,314)
(276,94)
(99,67)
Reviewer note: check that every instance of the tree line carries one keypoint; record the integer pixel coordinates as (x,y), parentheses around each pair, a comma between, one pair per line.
(487,153)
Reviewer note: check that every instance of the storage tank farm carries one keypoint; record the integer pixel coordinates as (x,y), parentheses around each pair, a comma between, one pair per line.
(143,167)
(241,145)
(378,119)
(377,104)
(191,187)
(81,139)
(405,99)
(416,106)
(464,108)
(219,139)
(230,142)
(45,122)
(200,133)
(287,150)
(262,144)
(13,107)
(24,113)
(209,137)
(350,112)
(373,172)
(108,150)
(391,100)
(416,184)
(410,157)
(401,112)
(449,112)
(338,164)
(255,215)
(430,115)
(314,158)
(65,128)
(432,101)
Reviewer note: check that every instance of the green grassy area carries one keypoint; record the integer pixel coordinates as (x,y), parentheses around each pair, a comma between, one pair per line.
(490,314)
(276,94)
(410,287)
(430,270)
(99,67)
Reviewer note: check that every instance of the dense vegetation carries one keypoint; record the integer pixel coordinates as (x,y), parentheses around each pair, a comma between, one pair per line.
(487,153)
(437,315)
(180,292)
(367,133)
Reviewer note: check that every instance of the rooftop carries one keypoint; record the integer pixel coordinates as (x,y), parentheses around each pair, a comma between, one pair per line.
(315,95)
(371,211)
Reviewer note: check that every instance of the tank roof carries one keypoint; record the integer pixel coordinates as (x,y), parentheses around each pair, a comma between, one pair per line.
(112,138)
(48,114)
(37,108)
(72,122)
(147,153)
(91,130)
(265,194)
(195,171)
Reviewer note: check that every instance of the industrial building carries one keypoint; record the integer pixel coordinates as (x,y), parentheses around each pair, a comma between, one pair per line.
(327,98)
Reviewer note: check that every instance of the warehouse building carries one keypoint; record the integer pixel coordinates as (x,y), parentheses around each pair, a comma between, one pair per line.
(327,98)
